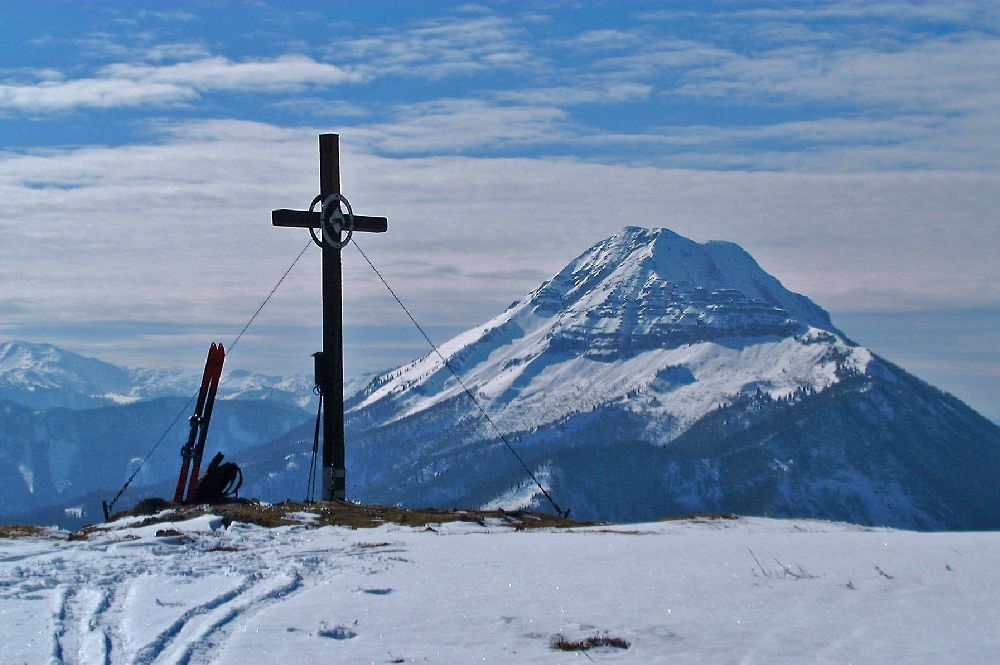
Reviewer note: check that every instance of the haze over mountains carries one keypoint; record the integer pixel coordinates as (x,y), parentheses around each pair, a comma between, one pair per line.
(653,375)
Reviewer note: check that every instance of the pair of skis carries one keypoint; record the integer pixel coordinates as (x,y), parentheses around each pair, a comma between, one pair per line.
(193,450)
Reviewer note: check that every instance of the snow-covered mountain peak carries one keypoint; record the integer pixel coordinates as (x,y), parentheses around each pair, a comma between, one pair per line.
(646,312)
(643,283)
(33,367)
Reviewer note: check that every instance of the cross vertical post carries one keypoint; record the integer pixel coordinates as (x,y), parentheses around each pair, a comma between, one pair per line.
(332,381)
(330,221)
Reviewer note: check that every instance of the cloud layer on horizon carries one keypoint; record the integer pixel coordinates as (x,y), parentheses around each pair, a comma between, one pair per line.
(165,218)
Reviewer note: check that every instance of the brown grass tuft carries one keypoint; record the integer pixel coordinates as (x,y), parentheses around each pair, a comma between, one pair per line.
(699,517)
(562,643)
(338,513)
(21,531)
(329,513)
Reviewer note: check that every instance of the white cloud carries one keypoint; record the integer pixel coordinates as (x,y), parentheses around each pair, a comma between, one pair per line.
(319,107)
(174,51)
(61,95)
(955,11)
(946,75)
(472,8)
(603,39)
(461,125)
(440,48)
(893,99)
(670,54)
(218,73)
(830,144)
(125,85)
(839,131)
(597,92)
(175,15)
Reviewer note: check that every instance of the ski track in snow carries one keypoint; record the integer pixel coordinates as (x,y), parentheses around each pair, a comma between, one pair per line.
(203,649)
(91,590)
(679,592)
(186,624)
(79,635)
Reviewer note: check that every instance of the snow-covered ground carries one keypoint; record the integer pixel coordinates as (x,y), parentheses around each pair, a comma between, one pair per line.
(697,591)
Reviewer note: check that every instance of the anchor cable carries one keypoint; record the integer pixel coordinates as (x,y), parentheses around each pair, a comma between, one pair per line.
(108,506)
(268,298)
(468,392)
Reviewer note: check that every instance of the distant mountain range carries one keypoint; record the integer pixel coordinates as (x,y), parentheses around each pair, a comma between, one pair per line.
(73,428)
(653,375)
(43,376)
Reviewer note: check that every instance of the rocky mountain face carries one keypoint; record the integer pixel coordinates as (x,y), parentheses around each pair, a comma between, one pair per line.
(655,375)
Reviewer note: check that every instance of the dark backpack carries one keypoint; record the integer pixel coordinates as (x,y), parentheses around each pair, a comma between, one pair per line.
(220,483)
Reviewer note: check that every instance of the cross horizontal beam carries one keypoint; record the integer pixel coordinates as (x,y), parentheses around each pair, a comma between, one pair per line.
(303,219)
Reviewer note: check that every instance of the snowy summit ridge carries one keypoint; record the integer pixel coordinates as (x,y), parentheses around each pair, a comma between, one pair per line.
(645,287)
(645,312)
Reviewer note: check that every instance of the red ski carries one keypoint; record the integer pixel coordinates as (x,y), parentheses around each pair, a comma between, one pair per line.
(193,450)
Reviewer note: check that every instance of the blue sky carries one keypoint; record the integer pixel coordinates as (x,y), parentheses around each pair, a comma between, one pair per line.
(851,147)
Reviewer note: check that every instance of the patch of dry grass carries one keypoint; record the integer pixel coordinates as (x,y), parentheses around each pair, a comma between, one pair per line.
(699,517)
(329,513)
(22,531)
(562,643)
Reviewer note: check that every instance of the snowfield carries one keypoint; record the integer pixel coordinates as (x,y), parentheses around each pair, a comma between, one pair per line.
(747,590)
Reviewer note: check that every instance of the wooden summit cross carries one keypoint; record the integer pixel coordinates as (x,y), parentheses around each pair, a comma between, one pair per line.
(332,222)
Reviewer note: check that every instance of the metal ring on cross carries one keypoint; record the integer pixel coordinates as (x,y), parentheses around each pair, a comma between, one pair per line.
(338,224)
(319,197)
(333,221)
